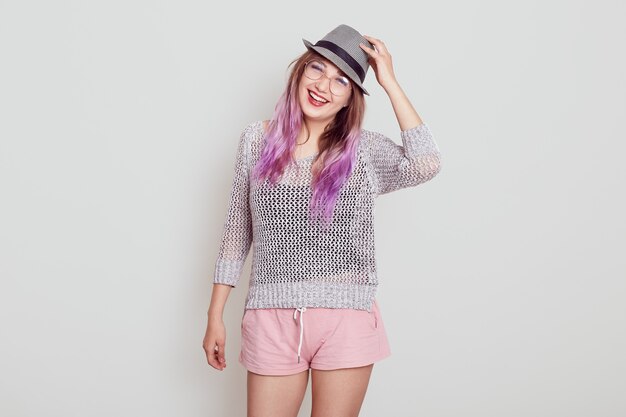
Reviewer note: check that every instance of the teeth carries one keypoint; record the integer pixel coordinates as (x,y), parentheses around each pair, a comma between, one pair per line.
(318,98)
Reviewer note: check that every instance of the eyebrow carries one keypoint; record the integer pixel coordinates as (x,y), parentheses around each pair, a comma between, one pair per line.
(339,71)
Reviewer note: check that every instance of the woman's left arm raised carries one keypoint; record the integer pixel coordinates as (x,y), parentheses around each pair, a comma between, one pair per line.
(380,60)
(418,159)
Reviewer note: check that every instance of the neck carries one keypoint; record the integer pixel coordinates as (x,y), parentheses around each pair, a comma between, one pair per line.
(315,129)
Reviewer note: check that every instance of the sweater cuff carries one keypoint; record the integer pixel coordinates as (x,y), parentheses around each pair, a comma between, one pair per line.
(227,272)
(418,141)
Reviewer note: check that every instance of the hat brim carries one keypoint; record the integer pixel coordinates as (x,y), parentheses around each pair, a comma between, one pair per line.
(340,63)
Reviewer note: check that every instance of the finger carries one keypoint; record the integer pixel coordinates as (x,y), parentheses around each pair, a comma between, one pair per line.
(371,50)
(376,42)
(221,353)
(373,39)
(212,357)
(367,49)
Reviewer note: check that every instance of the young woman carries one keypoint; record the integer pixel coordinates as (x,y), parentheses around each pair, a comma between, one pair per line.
(303,192)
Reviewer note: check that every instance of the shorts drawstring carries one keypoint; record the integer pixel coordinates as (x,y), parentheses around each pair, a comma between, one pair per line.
(301,310)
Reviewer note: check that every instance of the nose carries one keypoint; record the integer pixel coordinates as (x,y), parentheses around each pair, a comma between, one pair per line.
(321,83)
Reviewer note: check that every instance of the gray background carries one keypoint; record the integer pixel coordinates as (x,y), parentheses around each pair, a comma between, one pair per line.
(502,279)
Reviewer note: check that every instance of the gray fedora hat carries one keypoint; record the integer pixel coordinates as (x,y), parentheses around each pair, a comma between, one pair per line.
(341,47)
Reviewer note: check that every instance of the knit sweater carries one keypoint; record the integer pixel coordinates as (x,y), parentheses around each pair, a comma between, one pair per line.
(295,262)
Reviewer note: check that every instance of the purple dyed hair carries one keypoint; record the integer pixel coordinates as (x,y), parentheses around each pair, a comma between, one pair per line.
(338,143)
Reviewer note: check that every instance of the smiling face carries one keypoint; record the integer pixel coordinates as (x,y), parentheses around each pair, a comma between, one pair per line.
(321,111)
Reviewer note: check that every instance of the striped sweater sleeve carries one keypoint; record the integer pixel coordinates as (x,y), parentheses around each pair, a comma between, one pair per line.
(237,232)
(395,166)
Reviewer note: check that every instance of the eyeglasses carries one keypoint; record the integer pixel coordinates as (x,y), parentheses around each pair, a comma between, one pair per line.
(339,85)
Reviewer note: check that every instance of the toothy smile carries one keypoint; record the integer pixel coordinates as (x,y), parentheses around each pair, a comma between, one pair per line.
(317,98)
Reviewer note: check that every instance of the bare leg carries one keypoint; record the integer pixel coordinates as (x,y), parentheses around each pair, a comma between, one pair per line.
(276,396)
(340,392)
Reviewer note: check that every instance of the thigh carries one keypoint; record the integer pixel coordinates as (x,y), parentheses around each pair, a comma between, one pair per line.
(276,396)
(340,392)
(355,338)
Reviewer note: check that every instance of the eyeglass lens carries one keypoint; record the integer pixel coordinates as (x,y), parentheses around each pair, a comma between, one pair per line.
(339,85)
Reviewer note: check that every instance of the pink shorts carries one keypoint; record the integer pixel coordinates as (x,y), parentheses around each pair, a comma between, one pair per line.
(285,341)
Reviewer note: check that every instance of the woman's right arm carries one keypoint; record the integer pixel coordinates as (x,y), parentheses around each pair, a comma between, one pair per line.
(237,232)
(215,336)
(234,248)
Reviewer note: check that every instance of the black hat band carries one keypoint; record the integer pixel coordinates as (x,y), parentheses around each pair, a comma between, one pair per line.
(341,53)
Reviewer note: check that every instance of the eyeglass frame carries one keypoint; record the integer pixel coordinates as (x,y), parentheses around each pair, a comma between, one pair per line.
(324,75)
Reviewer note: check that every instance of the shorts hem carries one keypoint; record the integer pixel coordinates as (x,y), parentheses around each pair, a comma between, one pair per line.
(354,364)
(274,372)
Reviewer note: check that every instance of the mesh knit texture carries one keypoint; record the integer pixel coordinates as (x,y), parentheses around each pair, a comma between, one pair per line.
(295,262)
